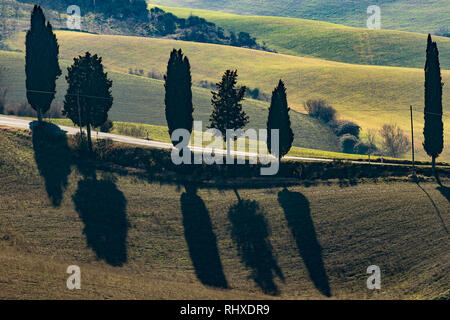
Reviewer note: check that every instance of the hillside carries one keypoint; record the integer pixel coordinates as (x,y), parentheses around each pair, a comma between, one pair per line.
(408,15)
(159,241)
(369,95)
(329,41)
(141,100)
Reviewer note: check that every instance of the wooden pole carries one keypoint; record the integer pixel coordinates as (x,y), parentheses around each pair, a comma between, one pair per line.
(79,114)
(412,141)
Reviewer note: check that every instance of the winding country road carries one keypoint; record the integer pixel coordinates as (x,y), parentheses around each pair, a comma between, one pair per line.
(21,123)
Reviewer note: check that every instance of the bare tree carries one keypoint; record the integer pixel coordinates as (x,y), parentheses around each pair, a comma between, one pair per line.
(372,140)
(394,142)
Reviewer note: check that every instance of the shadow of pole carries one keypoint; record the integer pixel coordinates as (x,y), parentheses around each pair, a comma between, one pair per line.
(250,232)
(201,240)
(436,209)
(298,215)
(52,156)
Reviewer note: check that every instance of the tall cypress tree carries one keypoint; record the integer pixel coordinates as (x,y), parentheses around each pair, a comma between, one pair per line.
(227,107)
(433,130)
(178,98)
(41,63)
(279,119)
(88,98)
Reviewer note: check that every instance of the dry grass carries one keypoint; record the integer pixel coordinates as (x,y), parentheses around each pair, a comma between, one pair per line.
(391,224)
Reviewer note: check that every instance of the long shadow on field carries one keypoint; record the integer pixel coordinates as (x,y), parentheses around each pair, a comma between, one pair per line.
(52,156)
(436,209)
(298,215)
(102,208)
(201,240)
(445,192)
(250,232)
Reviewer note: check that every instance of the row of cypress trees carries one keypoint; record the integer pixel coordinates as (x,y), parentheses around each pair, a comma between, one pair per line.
(88,98)
(226,101)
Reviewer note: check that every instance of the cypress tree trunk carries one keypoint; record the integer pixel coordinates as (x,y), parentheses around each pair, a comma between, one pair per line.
(435,174)
(39,115)
(228,149)
(88,126)
(433,165)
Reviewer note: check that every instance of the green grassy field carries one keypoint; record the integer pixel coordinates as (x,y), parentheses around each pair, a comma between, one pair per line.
(368,95)
(329,41)
(141,100)
(408,15)
(160,133)
(157,241)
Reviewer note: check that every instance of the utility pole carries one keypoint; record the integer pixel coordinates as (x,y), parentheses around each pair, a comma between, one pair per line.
(412,141)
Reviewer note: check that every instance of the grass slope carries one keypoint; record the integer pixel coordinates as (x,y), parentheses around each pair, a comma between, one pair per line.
(317,237)
(369,95)
(407,15)
(141,100)
(329,41)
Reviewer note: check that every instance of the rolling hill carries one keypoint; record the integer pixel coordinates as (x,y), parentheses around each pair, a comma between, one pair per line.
(369,95)
(140,99)
(407,15)
(328,41)
(140,239)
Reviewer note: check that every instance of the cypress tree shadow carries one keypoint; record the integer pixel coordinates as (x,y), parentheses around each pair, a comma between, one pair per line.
(298,215)
(201,240)
(445,192)
(249,230)
(52,156)
(102,208)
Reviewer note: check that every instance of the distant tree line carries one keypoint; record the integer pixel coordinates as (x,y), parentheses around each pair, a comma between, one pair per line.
(118,9)
(443,32)
(198,29)
(255,93)
(154,74)
(133,17)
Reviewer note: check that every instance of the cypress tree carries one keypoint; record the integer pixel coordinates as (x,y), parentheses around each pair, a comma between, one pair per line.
(279,119)
(178,98)
(227,107)
(88,98)
(433,130)
(41,63)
